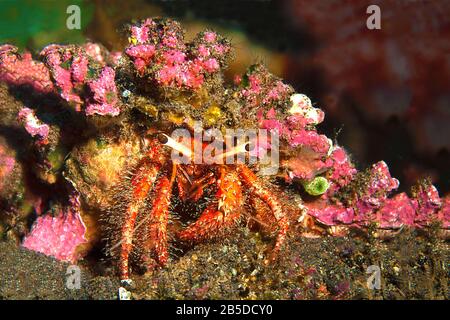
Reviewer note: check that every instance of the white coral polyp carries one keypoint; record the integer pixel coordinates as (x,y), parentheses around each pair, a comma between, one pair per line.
(301,104)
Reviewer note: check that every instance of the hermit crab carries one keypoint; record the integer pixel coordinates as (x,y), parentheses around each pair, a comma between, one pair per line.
(159,172)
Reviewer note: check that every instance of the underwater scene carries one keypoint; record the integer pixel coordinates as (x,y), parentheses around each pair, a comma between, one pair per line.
(224,150)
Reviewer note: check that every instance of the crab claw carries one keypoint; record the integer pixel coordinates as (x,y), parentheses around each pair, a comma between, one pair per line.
(220,216)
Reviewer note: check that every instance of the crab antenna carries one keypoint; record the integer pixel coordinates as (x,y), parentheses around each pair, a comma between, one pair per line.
(168,141)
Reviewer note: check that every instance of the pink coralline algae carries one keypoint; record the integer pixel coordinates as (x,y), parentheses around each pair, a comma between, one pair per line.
(260,89)
(158,51)
(396,212)
(54,57)
(33,125)
(330,214)
(424,208)
(371,205)
(141,54)
(58,235)
(140,33)
(276,107)
(73,69)
(22,70)
(67,71)
(341,170)
(444,213)
(426,203)
(99,54)
(104,91)
(317,142)
(263,93)
(375,191)
(369,198)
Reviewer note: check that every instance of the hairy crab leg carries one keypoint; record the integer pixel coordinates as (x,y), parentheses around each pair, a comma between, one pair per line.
(258,189)
(159,216)
(195,192)
(216,217)
(141,183)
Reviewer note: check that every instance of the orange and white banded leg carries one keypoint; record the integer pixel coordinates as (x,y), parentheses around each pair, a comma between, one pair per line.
(141,184)
(159,215)
(217,217)
(258,189)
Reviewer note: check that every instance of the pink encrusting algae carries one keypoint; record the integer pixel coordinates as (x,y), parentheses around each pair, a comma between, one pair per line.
(73,70)
(95,52)
(444,213)
(260,90)
(396,212)
(158,50)
(341,171)
(33,125)
(426,203)
(58,234)
(104,100)
(372,205)
(21,70)
(54,57)
(364,204)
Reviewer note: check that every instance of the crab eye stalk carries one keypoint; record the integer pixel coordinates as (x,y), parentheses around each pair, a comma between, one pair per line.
(181,148)
(162,138)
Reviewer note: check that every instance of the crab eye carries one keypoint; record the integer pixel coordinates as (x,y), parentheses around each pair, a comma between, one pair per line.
(163,138)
